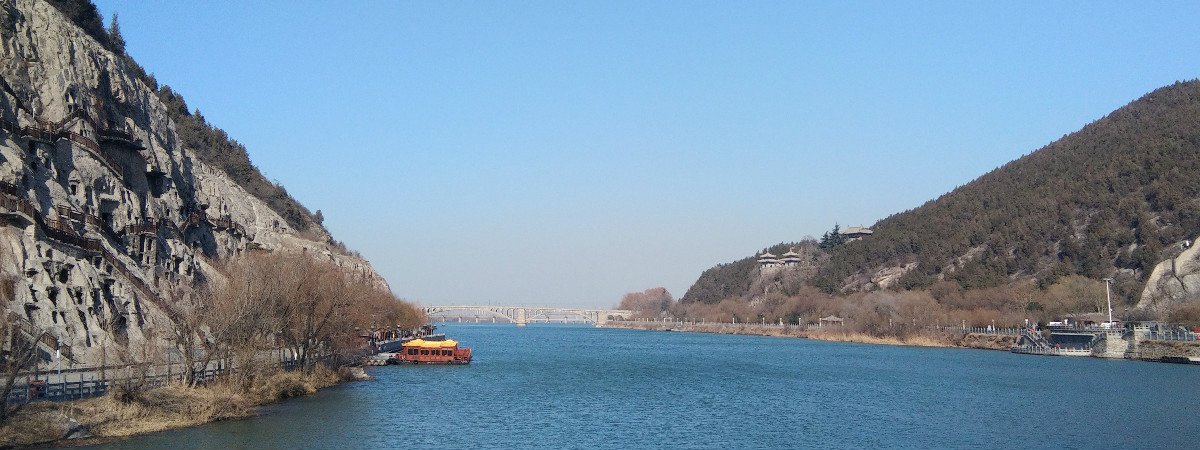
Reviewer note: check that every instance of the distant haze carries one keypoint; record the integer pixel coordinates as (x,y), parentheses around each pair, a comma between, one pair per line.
(551,153)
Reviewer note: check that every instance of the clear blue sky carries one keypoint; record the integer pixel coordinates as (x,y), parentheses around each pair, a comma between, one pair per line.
(564,153)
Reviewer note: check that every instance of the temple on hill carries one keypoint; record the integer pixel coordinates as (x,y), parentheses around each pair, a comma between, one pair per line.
(789,259)
(768,259)
(856,233)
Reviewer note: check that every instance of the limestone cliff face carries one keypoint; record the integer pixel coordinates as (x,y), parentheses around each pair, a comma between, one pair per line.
(102,211)
(1173,281)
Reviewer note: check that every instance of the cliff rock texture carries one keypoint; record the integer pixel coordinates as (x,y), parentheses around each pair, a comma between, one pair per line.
(1173,281)
(104,213)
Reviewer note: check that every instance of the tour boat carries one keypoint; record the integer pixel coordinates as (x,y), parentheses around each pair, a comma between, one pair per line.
(432,351)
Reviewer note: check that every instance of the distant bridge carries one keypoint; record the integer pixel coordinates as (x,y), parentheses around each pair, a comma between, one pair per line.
(522,315)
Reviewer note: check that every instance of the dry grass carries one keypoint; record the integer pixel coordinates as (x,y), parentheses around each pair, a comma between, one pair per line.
(987,341)
(282,385)
(159,409)
(916,340)
(921,340)
(152,410)
(37,423)
(834,335)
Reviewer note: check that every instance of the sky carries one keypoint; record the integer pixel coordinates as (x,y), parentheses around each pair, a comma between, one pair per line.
(563,153)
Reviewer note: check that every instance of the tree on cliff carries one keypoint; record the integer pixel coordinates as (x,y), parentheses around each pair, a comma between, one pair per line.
(84,15)
(832,238)
(213,146)
(115,39)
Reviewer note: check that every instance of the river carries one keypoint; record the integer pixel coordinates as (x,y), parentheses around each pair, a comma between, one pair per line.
(552,386)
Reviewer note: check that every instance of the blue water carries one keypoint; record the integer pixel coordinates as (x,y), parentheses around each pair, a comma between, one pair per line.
(549,386)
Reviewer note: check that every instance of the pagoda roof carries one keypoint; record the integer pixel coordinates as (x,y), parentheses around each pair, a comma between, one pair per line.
(857,230)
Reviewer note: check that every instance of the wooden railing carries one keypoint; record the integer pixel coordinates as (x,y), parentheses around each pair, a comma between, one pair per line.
(62,231)
(87,388)
(94,149)
(51,132)
(146,226)
(45,340)
(120,138)
(71,214)
(93,386)
(18,205)
(226,223)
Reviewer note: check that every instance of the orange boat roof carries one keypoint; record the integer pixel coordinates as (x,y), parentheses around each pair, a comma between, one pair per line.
(448,343)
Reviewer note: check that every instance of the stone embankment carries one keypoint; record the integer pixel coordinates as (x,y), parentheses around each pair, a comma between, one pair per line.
(835,334)
(1172,351)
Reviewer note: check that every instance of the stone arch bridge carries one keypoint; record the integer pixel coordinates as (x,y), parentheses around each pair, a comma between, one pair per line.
(522,315)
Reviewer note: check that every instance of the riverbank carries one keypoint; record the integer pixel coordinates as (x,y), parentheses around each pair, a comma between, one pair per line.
(834,334)
(125,412)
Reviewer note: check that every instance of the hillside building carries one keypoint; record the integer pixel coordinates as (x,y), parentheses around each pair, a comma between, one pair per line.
(856,233)
(767,259)
(789,259)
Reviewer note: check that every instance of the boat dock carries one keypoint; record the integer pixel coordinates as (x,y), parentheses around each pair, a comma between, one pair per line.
(1142,342)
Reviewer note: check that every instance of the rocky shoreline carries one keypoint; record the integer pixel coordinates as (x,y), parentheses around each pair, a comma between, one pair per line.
(1181,352)
(833,334)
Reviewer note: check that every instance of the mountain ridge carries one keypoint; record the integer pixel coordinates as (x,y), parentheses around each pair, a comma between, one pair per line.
(1112,199)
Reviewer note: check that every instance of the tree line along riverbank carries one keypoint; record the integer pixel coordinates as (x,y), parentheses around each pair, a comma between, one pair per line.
(832,333)
(1148,350)
(928,338)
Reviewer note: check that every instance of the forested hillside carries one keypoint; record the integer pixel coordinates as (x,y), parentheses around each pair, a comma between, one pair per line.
(727,280)
(1110,200)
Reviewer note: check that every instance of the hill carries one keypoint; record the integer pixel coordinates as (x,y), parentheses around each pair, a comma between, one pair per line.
(120,211)
(1110,200)
(744,277)
(210,143)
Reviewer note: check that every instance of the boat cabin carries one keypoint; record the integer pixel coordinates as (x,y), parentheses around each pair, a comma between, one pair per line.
(423,351)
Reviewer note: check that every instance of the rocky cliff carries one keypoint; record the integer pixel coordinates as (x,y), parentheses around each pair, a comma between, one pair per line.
(103,210)
(1173,281)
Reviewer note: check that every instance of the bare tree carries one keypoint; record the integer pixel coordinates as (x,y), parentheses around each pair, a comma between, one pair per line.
(18,353)
(239,314)
(18,348)
(650,303)
(198,330)
(312,307)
